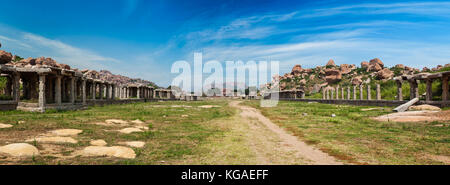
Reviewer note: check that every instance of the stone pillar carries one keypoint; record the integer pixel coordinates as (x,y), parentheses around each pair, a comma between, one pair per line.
(154,94)
(369,93)
(42,92)
(72,90)
(108,91)
(361,94)
(348,93)
(414,89)
(16,87)
(342,93)
(169,92)
(83,91)
(121,92)
(354,92)
(399,90)
(378,92)
(58,89)
(138,92)
(324,94)
(337,92)
(445,88)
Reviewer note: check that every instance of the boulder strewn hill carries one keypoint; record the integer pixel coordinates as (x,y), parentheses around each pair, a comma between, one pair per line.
(312,80)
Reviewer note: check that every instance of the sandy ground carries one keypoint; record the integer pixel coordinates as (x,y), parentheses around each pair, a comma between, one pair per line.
(278,147)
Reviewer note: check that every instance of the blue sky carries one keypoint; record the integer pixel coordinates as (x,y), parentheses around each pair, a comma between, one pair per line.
(142,38)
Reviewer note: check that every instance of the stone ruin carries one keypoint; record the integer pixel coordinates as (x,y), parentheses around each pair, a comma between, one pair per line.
(42,83)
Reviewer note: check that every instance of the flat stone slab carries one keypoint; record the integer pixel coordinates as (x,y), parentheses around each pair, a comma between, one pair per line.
(135,144)
(116,121)
(53,139)
(114,151)
(142,127)
(424,107)
(66,132)
(137,122)
(409,116)
(130,130)
(20,150)
(5,125)
(99,142)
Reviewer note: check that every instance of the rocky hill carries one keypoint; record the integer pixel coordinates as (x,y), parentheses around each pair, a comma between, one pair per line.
(312,80)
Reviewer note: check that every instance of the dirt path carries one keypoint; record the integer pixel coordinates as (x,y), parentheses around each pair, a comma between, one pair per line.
(273,145)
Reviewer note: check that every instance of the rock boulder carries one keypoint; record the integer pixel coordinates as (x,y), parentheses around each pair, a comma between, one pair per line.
(5,57)
(333,75)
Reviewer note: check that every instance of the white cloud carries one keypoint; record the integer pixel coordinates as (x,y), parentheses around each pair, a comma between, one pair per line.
(31,45)
(66,53)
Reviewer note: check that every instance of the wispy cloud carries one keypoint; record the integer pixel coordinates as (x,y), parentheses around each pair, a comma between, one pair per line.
(31,45)
(437,9)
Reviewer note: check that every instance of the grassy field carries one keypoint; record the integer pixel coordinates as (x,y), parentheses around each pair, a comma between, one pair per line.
(354,137)
(185,133)
(176,132)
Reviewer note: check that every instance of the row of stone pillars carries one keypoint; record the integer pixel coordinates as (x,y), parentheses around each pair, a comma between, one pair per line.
(339,93)
(138,92)
(428,79)
(106,91)
(162,94)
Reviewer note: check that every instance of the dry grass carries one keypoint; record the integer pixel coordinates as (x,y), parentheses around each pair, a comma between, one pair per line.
(354,137)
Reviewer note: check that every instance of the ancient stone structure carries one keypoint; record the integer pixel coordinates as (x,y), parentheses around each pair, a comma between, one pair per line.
(413,81)
(329,90)
(39,88)
(428,78)
(163,94)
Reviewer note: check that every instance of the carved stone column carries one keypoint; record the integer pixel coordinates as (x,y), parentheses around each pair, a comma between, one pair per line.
(414,89)
(83,91)
(42,100)
(445,88)
(102,89)
(337,92)
(378,92)
(58,88)
(16,87)
(361,94)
